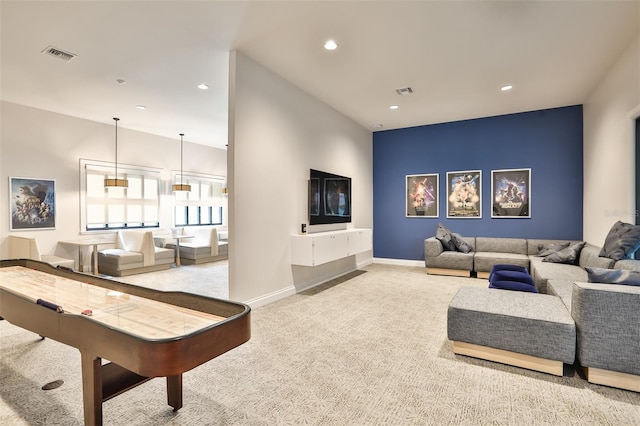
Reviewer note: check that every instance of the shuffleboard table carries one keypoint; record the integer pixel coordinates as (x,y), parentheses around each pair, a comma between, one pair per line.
(126,334)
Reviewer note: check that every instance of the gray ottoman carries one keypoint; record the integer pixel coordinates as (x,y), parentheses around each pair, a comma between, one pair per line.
(528,330)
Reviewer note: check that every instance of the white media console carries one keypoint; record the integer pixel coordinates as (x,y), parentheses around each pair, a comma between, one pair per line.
(323,247)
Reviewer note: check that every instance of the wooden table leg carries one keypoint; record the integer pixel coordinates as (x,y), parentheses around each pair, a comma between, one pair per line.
(95,260)
(177,251)
(174,391)
(92,389)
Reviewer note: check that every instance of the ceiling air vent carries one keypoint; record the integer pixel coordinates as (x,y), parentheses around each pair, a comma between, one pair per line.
(404,91)
(60,54)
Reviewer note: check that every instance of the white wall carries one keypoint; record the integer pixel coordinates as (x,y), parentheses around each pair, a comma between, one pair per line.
(609,147)
(40,144)
(276,134)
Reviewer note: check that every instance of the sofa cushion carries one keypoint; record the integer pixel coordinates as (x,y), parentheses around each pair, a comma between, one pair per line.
(460,243)
(451,260)
(563,289)
(622,241)
(502,245)
(484,261)
(569,255)
(627,264)
(513,285)
(533,244)
(443,234)
(120,257)
(163,254)
(545,271)
(192,252)
(590,256)
(613,276)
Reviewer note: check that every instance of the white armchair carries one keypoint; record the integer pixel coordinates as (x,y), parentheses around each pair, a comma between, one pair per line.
(27,248)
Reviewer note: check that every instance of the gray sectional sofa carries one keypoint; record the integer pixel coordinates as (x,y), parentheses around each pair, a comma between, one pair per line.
(606,316)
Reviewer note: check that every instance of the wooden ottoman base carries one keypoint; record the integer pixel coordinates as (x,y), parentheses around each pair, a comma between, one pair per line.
(511,358)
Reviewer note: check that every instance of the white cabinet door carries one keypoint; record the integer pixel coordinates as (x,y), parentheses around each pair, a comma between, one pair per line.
(355,242)
(366,239)
(327,248)
(359,241)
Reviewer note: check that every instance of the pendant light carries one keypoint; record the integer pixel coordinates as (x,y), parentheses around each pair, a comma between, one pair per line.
(180,186)
(117,183)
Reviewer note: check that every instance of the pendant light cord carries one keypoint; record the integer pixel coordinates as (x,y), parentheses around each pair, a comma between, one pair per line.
(116,120)
(181,143)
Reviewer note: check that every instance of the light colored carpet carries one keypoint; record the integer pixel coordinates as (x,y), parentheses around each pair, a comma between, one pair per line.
(208,279)
(369,350)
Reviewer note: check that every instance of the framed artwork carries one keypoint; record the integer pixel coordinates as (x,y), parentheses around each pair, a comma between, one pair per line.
(32,203)
(464,194)
(511,193)
(422,195)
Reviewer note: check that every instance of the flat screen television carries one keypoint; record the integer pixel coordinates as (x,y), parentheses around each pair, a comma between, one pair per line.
(329,198)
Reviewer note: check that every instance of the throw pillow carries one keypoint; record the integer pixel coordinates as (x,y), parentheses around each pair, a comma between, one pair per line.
(547,249)
(460,243)
(503,275)
(444,236)
(622,241)
(513,285)
(568,255)
(613,276)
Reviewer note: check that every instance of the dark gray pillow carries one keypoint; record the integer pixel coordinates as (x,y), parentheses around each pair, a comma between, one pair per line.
(613,276)
(622,241)
(460,243)
(568,255)
(444,236)
(547,249)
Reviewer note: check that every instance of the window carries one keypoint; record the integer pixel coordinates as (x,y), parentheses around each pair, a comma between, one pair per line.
(203,204)
(137,206)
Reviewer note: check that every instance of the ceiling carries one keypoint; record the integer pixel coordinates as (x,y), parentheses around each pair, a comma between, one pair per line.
(455,55)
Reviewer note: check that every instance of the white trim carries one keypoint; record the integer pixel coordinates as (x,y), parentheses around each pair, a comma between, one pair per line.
(398,262)
(292,290)
(633,115)
(271,297)
(366,262)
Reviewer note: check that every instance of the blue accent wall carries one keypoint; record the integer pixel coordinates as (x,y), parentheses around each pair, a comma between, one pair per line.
(549,142)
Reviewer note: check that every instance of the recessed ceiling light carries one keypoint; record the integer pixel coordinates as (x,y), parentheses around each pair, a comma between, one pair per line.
(141,107)
(330,45)
(506,88)
(203,86)
(394,107)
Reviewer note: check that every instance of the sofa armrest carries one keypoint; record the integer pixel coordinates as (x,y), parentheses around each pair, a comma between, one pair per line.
(607,322)
(432,247)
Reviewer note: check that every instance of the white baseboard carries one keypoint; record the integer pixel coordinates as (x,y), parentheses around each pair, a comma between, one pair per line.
(271,297)
(398,262)
(291,290)
(364,263)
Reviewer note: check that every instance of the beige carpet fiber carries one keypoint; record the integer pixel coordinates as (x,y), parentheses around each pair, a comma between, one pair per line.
(368,350)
